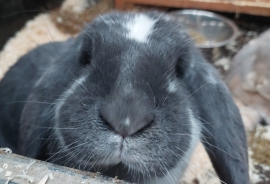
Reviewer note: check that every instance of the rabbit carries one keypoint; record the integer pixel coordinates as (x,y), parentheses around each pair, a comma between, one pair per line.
(130,96)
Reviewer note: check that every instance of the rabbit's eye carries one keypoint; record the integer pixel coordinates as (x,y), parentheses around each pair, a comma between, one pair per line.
(85,52)
(182,65)
(85,57)
(179,70)
(85,60)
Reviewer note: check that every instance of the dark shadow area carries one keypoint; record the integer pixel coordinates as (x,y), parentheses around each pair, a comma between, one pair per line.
(14,14)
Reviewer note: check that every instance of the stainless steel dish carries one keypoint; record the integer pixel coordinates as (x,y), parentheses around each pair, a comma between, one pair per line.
(208,29)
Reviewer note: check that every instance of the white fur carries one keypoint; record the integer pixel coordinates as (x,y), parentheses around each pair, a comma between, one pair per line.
(167,18)
(59,105)
(211,77)
(174,175)
(172,87)
(128,88)
(115,157)
(127,121)
(140,28)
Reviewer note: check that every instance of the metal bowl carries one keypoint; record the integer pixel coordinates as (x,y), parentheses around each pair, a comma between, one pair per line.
(208,29)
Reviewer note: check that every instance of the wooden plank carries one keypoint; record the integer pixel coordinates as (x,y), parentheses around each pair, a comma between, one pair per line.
(13,165)
(256,7)
(119,4)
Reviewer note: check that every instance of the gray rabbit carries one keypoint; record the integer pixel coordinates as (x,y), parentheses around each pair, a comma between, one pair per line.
(130,96)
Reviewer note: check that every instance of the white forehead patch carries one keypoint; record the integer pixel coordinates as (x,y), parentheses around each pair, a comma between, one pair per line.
(172,86)
(127,121)
(140,28)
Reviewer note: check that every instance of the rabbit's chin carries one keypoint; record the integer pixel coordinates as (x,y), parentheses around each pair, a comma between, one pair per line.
(126,167)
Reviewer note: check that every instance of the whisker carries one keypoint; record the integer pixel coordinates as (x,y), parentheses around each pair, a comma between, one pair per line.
(193,93)
(50,35)
(32,102)
(25,11)
(77,151)
(61,150)
(218,148)
(192,164)
(164,166)
(152,92)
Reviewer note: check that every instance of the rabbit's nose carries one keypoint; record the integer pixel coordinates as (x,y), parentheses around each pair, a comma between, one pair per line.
(127,127)
(127,116)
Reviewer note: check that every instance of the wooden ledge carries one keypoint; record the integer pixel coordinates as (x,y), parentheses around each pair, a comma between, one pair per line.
(254,7)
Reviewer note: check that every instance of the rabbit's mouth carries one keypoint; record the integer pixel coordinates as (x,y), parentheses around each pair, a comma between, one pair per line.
(118,155)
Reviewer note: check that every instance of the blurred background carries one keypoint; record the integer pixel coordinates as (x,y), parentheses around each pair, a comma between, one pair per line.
(14,14)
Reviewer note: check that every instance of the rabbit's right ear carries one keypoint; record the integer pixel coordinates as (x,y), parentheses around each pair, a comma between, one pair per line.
(223,131)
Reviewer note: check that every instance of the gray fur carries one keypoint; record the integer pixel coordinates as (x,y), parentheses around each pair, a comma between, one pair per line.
(105,102)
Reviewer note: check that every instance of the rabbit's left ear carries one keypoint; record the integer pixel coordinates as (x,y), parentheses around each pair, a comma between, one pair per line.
(34,130)
(223,131)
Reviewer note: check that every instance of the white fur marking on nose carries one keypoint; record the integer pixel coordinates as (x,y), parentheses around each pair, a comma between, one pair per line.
(140,28)
(172,87)
(127,121)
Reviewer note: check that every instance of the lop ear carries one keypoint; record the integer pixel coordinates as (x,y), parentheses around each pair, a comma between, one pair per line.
(223,132)
(36,123)
(34,130)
